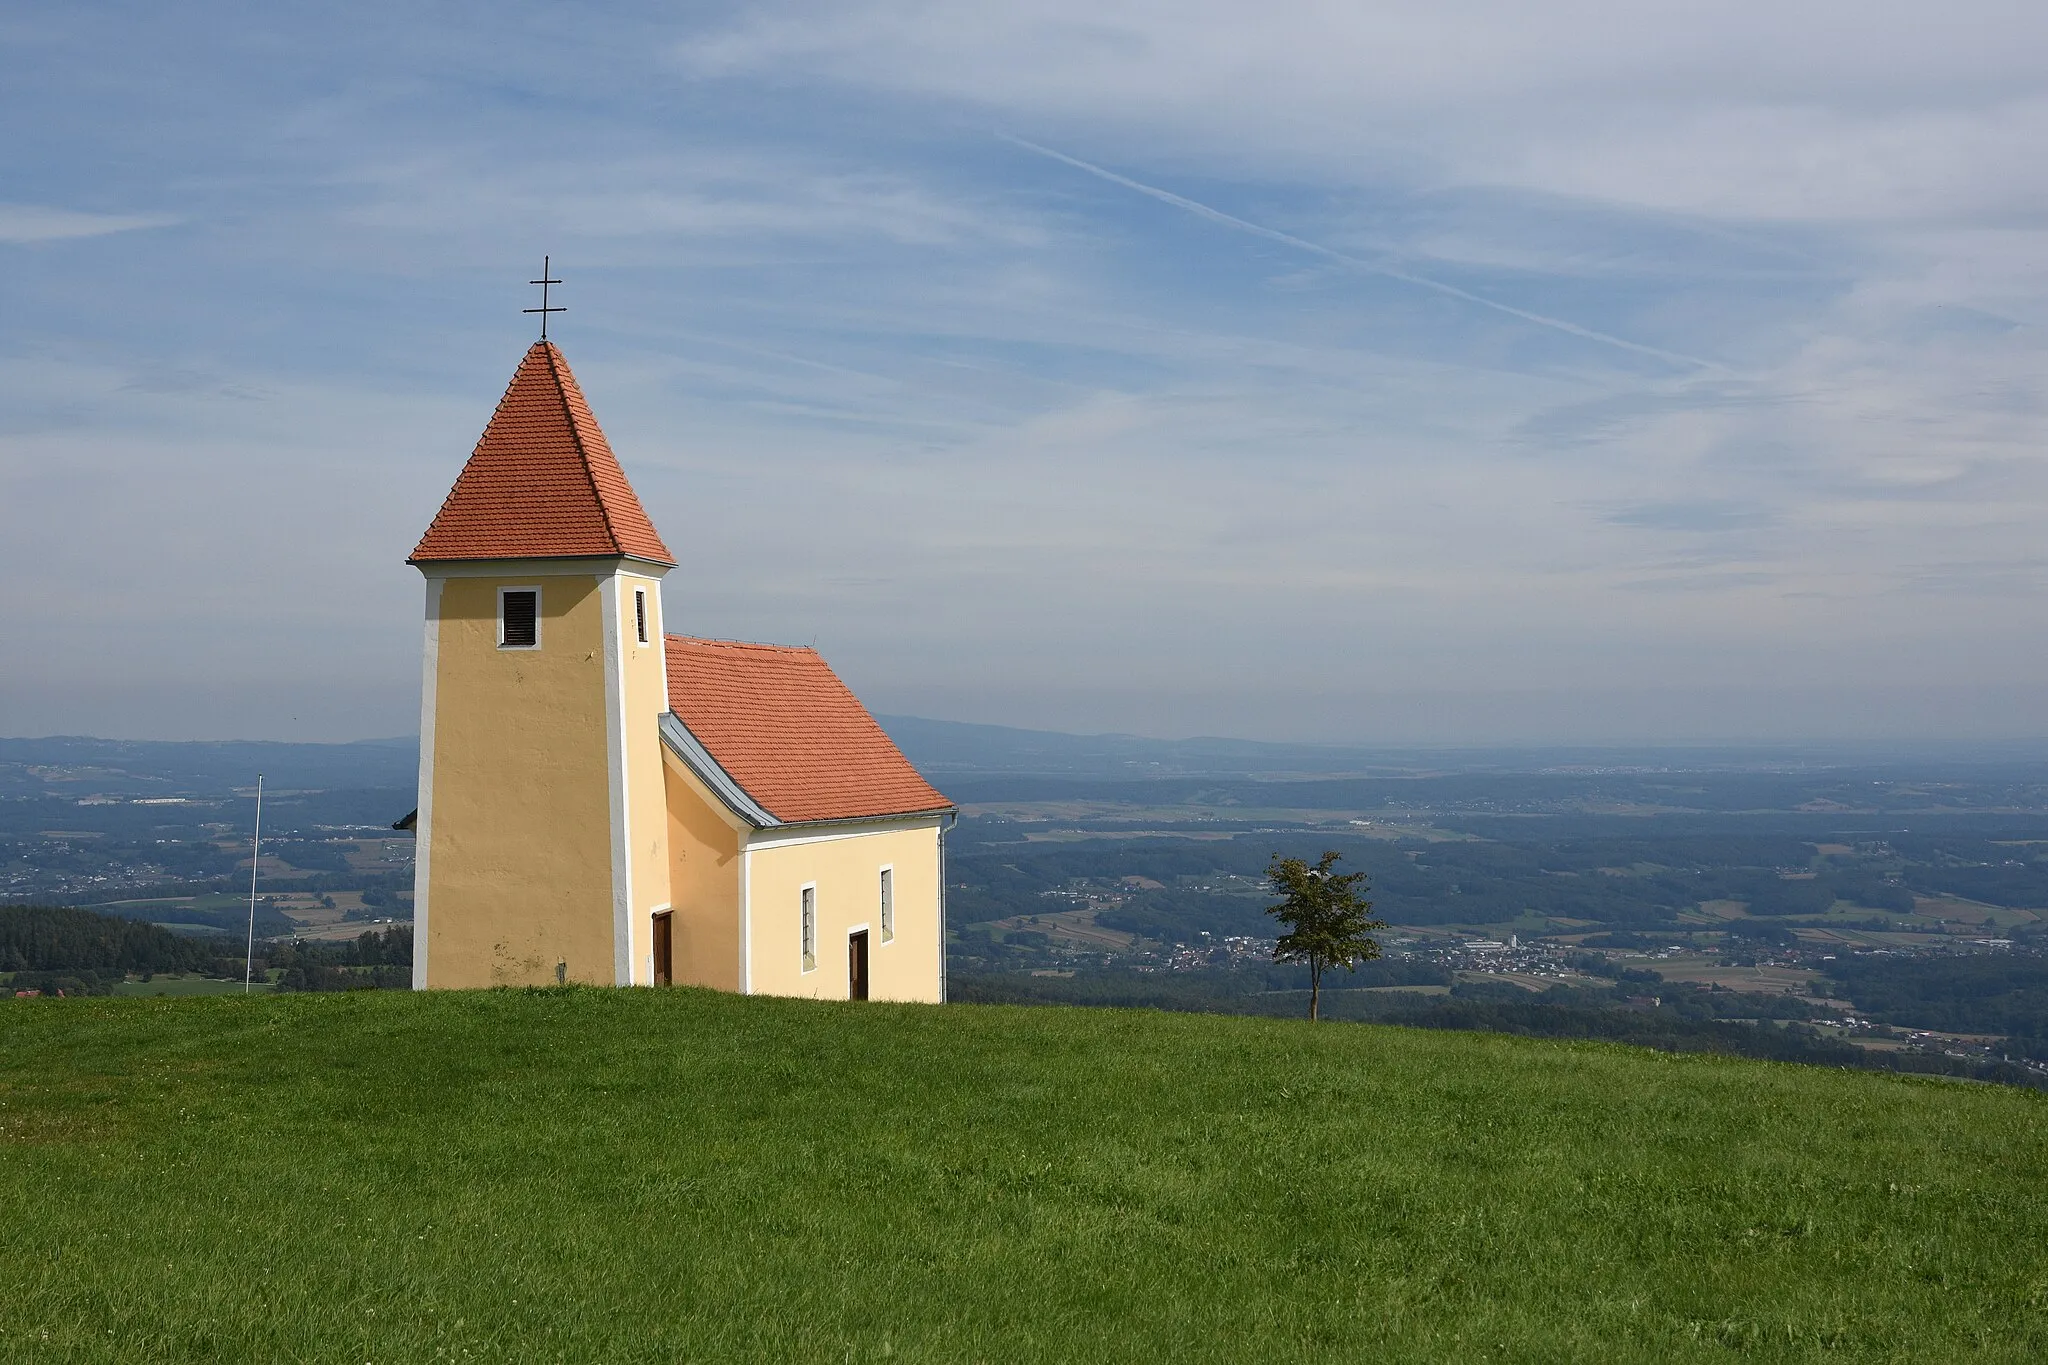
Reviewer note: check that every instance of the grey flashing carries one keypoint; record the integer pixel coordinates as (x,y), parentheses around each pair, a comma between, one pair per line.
(698,760)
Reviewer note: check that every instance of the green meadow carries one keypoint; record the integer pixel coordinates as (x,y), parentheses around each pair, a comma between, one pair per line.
(163,983)
(600,1175)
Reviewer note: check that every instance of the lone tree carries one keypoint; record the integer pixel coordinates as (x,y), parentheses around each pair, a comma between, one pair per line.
(1327,920)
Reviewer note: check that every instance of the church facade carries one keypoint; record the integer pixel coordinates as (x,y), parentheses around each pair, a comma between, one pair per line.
(603,802)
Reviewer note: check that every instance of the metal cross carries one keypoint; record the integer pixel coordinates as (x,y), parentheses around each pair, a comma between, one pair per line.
(543,310)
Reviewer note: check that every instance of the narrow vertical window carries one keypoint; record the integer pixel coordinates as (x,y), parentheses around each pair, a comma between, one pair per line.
(640,613)
(810,927)
(888,903)
(519,618)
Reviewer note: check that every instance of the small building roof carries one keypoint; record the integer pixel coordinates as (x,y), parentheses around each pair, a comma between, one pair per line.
(790,734)
(543,482)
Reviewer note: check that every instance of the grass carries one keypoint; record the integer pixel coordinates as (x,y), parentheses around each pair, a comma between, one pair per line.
(637,1175)
(170,984)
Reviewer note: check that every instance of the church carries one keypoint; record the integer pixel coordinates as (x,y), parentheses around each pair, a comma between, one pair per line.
(603,802)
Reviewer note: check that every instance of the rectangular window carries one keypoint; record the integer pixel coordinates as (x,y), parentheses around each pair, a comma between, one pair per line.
(640,613)
(519,618)
(810,928)
(888,903)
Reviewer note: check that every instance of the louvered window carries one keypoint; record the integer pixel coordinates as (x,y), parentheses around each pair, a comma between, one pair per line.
(810,928)
(888,903)
(640,613)
(519,618)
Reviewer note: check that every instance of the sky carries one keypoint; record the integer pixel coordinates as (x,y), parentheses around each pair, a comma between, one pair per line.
(1451,372)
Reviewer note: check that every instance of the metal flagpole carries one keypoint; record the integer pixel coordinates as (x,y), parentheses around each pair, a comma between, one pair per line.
(255,852)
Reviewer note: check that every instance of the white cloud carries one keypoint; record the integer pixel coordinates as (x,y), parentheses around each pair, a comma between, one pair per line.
(24,223)
(687,195)
(1062,452)
(1826,108)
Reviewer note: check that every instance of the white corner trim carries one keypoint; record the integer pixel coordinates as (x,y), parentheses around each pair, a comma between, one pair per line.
(423,823)
(746,920)
(622,807)
(660,641)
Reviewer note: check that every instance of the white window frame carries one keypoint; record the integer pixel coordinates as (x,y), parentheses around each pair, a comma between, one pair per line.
(643,628)
(807,925)
(520,587)
(887,918)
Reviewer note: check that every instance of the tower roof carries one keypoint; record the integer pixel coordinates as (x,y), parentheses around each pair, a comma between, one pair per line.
(542,483)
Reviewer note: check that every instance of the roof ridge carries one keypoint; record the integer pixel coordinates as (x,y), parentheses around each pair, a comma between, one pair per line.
(744,644)
(556,364)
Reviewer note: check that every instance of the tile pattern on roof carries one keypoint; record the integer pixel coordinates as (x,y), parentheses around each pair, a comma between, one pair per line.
(783,726)
(543,482)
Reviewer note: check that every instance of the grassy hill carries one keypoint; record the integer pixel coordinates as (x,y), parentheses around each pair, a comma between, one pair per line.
(642,1175)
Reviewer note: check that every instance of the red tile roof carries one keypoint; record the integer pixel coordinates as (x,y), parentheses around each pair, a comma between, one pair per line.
(783,726)
(543,482)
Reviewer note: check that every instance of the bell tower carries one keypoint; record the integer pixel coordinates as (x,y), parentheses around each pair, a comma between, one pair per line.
(541,830)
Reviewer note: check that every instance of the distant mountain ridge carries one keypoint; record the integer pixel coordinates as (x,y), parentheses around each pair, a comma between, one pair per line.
(84,766)
(67,765)
(943,746)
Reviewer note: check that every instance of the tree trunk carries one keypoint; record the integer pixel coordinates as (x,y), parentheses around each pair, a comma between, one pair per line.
(1315,989)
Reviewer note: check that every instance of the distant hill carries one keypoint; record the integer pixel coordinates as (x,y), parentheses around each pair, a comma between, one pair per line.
(70,765)
(942,746)
(598,1175)
(82,766)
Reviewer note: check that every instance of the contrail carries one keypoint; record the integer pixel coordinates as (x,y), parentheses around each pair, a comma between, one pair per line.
(1372,267)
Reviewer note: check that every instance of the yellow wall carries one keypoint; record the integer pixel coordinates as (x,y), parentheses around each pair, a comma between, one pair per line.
(704,882)
(521,858)
(848,873)
(519,827)
(646,698)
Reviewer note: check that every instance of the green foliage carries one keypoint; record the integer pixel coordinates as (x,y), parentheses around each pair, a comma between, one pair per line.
(2025,886)
(42,938)
(1772,895)
(586,1175)
(1980,993)
(62,985)
(1329,924)
(1763,932)
(1183,916)
(374,961)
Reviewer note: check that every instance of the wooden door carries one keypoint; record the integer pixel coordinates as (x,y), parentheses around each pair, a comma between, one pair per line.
(857,966)
(664,951)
